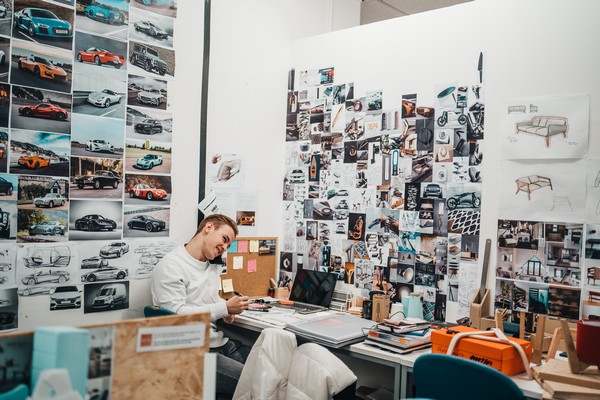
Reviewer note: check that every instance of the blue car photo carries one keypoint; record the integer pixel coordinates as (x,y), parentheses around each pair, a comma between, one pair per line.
(105,13)
(170,3)
(41,22)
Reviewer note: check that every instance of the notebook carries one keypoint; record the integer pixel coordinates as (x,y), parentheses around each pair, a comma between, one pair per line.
(311,291)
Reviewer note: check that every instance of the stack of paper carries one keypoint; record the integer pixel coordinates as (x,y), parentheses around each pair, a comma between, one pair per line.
(399,341)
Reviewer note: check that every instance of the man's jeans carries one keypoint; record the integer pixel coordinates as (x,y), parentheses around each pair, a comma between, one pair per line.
(230,361)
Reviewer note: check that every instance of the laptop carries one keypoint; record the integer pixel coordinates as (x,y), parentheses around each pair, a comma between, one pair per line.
(311,291)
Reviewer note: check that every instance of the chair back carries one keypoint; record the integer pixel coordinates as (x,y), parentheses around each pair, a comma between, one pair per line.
(445,377)
(155,311)
(19,392)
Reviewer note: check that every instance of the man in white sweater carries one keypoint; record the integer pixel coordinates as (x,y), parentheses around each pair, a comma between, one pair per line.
(185,281)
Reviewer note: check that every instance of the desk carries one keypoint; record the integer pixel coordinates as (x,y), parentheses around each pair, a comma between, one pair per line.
(401,363)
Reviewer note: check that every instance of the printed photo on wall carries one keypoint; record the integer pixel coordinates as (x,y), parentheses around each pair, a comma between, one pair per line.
(95,220)
(146,123)
(163,7)
(100,362)
(225,170)
(4,57)
(102,17)
(38,109)
(146,222)
(8,220)
(41,226)
(94,178)
(150,28)
(36,192)
(99,96)
(53,66)
(105,296)
(145,59)
(66,297)
(149,155)
(147,92)
(9,310)
(99,55)
(7,266)
(51,25)
(39,153)
(147,189)
(41,268)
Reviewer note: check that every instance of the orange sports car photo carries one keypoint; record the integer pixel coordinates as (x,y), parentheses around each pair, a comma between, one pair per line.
(33,161)
(42,68)
(46,110)
(100,56)
(146,192)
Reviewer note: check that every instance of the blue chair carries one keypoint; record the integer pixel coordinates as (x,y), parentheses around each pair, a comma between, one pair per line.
(20,392)
(444,377)
(155,311)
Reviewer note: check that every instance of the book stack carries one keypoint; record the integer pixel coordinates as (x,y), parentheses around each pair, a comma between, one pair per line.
(399,338)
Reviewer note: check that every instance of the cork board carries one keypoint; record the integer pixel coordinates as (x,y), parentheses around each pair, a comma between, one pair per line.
(252,283)
(169,374)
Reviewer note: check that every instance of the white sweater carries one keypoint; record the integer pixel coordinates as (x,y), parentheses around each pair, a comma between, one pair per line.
(185,285)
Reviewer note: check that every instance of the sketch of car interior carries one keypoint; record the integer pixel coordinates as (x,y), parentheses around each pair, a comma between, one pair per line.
(45,257)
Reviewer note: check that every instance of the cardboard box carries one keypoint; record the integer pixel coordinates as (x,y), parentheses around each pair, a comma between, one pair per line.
(503,357)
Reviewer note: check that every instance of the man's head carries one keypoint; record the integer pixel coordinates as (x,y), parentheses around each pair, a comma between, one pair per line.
(214,235)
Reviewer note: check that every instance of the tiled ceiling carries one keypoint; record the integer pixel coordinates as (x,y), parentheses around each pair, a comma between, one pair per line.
(379,10)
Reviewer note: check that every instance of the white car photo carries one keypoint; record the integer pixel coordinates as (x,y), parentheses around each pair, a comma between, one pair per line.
(50,200)
(152,96)
(104,98)
(99,145)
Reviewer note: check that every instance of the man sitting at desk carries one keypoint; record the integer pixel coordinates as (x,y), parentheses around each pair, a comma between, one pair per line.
(185,282)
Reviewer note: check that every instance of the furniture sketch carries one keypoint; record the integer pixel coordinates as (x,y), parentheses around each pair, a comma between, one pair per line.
(593,273)
(533,108)
(545,127)
(517,109)
(530,183)
(561,202)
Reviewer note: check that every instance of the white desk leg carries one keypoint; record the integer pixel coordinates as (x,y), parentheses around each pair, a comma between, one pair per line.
(210,376)
(404,381)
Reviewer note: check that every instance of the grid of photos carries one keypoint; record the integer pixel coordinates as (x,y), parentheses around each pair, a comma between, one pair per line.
(85,148)
(387,199)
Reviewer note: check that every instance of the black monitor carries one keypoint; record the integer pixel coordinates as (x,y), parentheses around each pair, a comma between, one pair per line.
(313,287)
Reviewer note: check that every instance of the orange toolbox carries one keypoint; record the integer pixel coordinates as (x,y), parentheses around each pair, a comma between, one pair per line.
(501,356)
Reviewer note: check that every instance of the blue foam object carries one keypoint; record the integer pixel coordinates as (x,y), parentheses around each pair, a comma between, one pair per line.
(20,392)
(62,347)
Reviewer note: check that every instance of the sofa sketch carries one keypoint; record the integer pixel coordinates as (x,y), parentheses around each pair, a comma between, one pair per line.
(545,127)
(521,108)
(530,183)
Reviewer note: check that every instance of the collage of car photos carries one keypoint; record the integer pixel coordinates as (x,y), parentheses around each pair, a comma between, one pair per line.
(85,148)
(387,199)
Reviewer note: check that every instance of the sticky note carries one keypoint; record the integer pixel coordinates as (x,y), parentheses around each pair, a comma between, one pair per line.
(227,285)
(242,246)
(254,246)
(252,265)
(234,247)
(238,262)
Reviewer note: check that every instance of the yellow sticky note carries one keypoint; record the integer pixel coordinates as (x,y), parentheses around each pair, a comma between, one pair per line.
(252,265)
(254,246)
(227,285)
(238,262)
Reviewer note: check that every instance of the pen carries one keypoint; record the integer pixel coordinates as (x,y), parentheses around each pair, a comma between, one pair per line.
(238,293)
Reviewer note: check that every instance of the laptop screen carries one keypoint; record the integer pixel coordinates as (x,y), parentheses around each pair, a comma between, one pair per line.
(313,287)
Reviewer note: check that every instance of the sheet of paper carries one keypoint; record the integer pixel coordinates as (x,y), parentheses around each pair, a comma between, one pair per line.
(254,246)
(252,265)
(209,205)
(242,246)
(238,262)
(234,247)
(227,285)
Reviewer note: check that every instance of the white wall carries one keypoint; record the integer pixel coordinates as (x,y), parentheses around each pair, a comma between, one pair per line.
(532,48)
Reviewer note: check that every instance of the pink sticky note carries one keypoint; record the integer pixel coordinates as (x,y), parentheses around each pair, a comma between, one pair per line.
(252,265)
(242,246)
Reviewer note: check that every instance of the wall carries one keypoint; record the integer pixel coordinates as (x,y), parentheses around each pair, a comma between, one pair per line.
(533,48)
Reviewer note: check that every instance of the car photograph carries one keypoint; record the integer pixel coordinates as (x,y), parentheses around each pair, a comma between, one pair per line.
(147,58)
(41,22)
(33,162)
(146,222)
(2,12)
(146,192)
(42,68)
(114,249)
(148,127)
(65,297)
(95,222)
(99,145)
(98,180)
(6,187)
(47,228)
(153,97)
(433,190)
(100,56)
(150,29)
(50,200)
(104,98)
(44,277)
(44,110)
(149,161)
(94,262)
(104,13)
(57,257)
(103,274)
(170,3)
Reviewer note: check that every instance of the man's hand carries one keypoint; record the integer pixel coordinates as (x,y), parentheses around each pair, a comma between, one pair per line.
(229,319)
(237,304)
